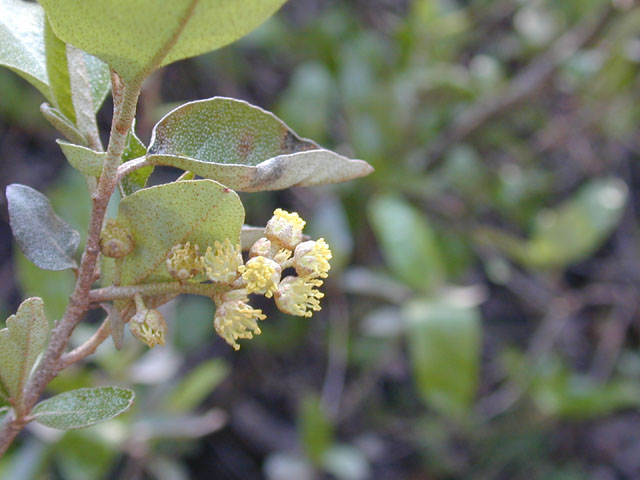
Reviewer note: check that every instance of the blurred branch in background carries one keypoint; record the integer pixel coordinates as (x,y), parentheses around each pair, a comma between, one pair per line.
(524,85)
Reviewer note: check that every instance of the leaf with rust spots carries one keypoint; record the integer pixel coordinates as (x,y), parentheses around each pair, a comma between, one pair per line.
(245,148)
(196,211)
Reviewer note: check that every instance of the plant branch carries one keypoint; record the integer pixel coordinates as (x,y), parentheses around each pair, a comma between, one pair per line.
(106,294)
(88,347)
(132,165)
(125,101)
(524,85)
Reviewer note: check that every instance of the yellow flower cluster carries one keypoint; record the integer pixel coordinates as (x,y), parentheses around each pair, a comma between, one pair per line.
(281,248)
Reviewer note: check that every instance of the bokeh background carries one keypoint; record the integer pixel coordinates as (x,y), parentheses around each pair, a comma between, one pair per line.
(481,316)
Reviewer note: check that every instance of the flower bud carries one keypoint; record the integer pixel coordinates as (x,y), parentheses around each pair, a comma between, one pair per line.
(149,327)
(285,228)
(262,248)
(115,240)
(184,262)
(261,275)
(311,259)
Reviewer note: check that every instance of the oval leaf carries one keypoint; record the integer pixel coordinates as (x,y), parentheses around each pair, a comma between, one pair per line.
(407,242)
(83,159)
(245,148)
(135,37)
(46,239)
(83,407)
(196,211)
(62,124)
(22,42)
(23,49)
(58,73)
(444,346)
(20,344)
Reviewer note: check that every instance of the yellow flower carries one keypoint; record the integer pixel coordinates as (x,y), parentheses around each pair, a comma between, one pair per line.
(311,259)
(298,296)
(285,228)
(235,319)
(223,262)
(184,261)
(261,275)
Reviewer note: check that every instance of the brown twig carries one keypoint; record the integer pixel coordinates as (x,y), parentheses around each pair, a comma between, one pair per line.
(125,101)
(88,347)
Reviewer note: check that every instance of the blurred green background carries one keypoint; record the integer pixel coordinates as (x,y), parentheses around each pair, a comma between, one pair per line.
(481,316)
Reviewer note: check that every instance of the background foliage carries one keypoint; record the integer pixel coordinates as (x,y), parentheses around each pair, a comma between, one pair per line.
(481,316)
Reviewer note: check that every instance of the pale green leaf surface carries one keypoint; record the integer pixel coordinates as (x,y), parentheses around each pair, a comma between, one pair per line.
(20,344)
(83,407)
(62,124)
(58,73)
(83,159)
(46,239)
(245,148)
(22,47)
(407,241)
(99,79)
(444,341)
(196,211)
(135,37)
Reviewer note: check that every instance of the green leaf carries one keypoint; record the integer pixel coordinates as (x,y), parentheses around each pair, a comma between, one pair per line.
(138,178)
(62,124)
(196,211)
(244,147)
(316,431)
(444,341)
(83,159)
(576,228)
(20,344)
(196,386)
(136,37)
(24,50)
(407,241)
(46,239)
(22,42)
(58,73)
(83,407)
(568,233)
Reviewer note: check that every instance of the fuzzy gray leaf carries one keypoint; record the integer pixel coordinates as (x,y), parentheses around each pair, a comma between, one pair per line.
(46,239)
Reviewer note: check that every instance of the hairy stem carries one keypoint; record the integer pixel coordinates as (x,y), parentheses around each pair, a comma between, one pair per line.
(125,101)
(88,347)
(154,289)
